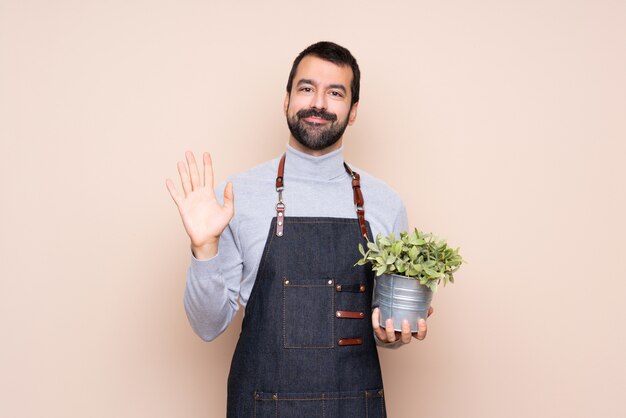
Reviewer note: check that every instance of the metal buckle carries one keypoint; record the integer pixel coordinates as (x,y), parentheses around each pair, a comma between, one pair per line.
(280,196)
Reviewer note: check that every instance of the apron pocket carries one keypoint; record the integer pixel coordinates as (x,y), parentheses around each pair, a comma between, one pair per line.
(357,404)
(308,313)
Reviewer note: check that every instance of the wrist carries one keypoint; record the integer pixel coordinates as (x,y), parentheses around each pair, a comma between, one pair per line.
(205,251)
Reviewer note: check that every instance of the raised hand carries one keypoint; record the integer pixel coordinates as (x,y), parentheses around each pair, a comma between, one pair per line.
(203,216)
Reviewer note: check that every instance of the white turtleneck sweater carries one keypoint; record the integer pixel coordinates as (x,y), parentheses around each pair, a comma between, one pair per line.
(315,187)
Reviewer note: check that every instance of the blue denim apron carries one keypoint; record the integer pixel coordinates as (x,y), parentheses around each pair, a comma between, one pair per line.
(306,347)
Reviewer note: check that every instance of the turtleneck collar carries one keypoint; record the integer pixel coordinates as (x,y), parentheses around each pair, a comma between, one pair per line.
(325,167)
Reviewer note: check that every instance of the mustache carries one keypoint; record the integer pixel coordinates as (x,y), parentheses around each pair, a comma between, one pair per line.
(305,113)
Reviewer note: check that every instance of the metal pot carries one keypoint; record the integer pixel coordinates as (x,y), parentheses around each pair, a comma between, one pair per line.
(400,297)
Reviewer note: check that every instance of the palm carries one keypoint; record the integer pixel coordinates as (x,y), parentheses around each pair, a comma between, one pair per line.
(203,216)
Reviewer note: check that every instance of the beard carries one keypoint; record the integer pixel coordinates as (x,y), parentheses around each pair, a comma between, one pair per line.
(316,136)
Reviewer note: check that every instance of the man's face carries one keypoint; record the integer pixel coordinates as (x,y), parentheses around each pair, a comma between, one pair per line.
(318,107)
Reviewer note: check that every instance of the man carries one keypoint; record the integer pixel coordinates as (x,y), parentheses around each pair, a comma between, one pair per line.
(308,340)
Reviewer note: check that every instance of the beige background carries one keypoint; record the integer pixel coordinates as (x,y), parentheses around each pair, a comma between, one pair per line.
(501,123)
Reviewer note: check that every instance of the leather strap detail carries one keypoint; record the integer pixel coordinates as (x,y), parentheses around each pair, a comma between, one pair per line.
(352,288)
(350,341)
(280,220)
(280,206)
(281,172)
(356,189)
(358,198)
(350,314)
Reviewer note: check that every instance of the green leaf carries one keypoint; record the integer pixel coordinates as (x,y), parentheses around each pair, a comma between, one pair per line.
(413,253)
(396,248)
(430,272)
(361,249)
(381,270)
(416,266)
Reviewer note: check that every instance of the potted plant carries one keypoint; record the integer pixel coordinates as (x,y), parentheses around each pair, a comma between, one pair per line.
(408,271)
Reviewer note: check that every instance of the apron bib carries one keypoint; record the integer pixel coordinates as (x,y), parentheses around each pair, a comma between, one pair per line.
(306,347)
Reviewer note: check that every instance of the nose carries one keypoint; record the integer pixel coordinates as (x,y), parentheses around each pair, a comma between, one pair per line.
(318,101)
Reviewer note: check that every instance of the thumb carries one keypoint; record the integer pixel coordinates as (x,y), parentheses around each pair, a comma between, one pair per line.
(229,197)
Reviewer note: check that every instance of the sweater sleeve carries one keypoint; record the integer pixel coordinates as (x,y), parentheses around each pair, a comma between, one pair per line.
(213,286)
(401,222)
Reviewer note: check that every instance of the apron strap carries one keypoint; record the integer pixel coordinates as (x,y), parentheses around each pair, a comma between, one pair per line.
(280,206)
(356,188)
(358,198)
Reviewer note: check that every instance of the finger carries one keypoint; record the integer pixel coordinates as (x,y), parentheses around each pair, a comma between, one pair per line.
(376,325)
(229,198)
(193,170)
(207,164)
(406,332)
(421,329)
(184,177)
(173,192)
(430,311)
(391,334)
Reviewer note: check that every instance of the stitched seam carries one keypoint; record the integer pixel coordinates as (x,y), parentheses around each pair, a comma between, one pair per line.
(347,222)
(306,285)
(307,347)
(332,320)
(284,315)
(366,413)
(311,399)
(269,396)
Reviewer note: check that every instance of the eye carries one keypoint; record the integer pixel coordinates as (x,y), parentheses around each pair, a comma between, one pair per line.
(336,93)
(306,89)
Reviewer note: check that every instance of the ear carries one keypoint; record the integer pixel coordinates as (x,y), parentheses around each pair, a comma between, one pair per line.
(352,115)
(286,103)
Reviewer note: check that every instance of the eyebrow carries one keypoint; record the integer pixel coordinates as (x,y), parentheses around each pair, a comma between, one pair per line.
(332,86)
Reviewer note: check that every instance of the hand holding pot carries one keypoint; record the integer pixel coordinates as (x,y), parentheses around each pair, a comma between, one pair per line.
(388,335)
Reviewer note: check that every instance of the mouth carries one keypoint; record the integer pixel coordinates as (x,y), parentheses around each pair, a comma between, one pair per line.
(316,117)
(315,120)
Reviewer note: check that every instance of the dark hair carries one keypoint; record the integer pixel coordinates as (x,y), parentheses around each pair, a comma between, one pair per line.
(334,53)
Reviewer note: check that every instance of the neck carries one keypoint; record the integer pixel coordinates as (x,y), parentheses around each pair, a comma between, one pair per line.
(293,142)
(313,167)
